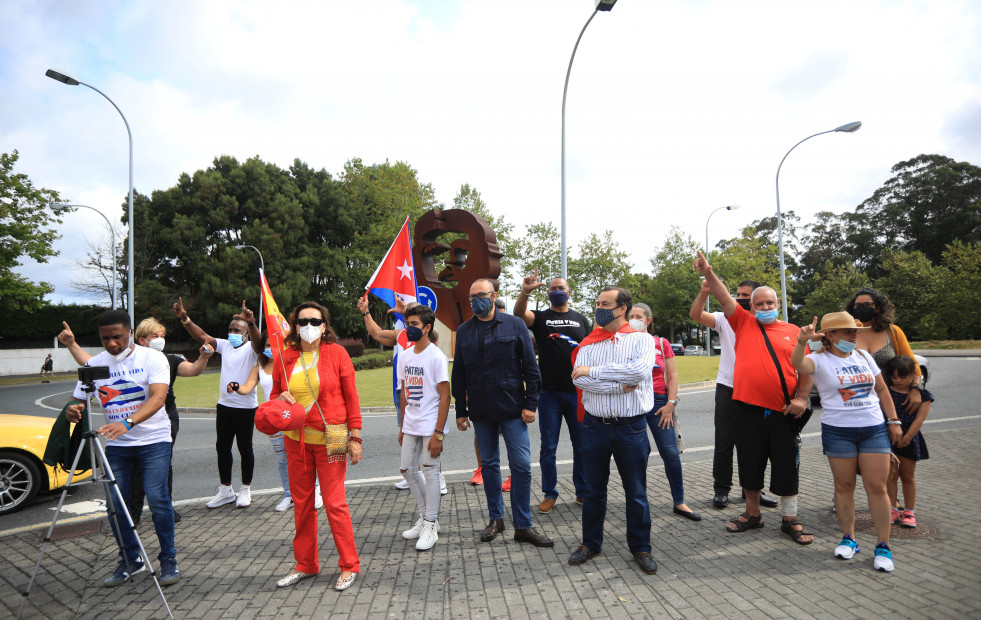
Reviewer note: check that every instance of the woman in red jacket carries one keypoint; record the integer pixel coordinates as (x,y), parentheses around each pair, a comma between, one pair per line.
(318,374)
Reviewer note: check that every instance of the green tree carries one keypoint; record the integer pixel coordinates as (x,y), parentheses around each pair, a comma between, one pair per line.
(540,248)
(750,256)
(25,231)
(831,288)
(961,290)
(674,284)
(914,286)
(469,199)
(600,262)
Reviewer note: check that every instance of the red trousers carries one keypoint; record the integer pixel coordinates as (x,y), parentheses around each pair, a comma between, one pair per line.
(304,465)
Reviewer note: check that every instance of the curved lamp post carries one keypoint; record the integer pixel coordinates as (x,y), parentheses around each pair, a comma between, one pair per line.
(708,330)
(262,266)
(67,79)
(601,5)
(847,128)
(58,207)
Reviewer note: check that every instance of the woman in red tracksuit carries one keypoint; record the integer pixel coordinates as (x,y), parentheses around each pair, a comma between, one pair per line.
(314,364)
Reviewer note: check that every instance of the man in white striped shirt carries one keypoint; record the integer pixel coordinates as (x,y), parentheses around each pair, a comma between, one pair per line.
(613,369)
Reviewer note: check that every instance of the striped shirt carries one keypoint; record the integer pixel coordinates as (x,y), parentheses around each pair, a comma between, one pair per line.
(626,359)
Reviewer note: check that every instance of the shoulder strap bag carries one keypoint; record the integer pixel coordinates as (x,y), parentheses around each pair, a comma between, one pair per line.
(804,417)
(336,434)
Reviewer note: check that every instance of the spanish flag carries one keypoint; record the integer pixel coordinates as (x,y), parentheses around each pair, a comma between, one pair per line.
(276,324)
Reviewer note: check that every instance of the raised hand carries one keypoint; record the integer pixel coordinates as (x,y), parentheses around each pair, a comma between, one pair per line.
(530,282)
(179,310)
(66,337)
(809,332)
(702,265)
(399,305)
(245,315)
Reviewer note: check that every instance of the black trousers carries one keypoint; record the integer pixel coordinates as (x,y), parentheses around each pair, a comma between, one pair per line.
(234,425)
(725,439)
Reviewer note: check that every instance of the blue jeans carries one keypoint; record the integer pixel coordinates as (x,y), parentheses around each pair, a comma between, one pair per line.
(153,461)
(553,406)
(519,458)
(667,446)
(279,449)
(630,448)
(848,442)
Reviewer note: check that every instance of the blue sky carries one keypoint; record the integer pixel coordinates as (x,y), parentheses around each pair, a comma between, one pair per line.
(675,107)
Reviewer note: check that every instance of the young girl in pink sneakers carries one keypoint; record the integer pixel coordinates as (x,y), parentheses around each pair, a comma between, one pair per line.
(900,374)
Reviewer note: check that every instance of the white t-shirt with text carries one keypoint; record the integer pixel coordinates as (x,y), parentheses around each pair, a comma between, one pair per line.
(727,344)
(125,391)
(236,365)
(847,389)
(421,373)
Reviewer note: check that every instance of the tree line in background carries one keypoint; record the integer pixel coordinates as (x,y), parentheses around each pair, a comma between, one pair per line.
(917,239)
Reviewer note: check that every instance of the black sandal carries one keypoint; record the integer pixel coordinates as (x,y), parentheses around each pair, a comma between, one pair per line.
(787,527)
(751,523)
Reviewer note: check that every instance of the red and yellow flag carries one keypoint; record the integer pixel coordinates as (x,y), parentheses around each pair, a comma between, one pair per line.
(276,324)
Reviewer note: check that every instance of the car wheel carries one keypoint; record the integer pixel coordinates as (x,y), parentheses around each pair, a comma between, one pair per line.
(925,377)
(20,481)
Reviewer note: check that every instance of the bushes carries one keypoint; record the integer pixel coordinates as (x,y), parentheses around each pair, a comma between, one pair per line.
(379,359)
(353,346)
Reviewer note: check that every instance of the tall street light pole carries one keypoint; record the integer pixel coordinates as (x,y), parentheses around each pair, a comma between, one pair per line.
(58,207)
(847,128)
(262,266)
(708,330)
(601,5)
(67,79)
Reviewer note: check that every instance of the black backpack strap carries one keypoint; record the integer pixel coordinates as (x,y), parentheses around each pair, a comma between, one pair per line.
(776,362)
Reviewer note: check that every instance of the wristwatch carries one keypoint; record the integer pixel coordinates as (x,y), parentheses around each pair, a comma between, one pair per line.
(439,435)
(130,422)
(674,402)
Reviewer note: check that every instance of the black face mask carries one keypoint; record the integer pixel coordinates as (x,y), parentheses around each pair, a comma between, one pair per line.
(864,313)
(744,303)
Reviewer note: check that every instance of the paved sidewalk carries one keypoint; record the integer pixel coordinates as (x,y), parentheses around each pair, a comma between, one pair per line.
(230,559)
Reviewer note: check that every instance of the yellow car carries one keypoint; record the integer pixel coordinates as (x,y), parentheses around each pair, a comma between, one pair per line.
(22,473)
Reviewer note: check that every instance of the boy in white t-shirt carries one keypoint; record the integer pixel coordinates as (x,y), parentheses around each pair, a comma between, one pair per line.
(424,380)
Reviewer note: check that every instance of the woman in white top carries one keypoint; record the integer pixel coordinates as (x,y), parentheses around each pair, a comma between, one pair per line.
(858,426)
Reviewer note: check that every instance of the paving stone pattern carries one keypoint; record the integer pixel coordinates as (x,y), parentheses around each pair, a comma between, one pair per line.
(230,559)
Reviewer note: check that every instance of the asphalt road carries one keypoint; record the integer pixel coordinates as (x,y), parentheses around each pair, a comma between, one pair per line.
(954,380)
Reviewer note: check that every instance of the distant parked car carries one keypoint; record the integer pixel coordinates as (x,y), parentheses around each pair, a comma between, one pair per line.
(679,349)
(924,369)
(694,349)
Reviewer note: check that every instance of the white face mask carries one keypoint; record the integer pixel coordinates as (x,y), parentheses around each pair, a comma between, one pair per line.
(157,344)
(123,354)
(309,333)
(638,325)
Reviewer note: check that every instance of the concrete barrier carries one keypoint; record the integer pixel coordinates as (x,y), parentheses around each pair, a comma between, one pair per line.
(29,361)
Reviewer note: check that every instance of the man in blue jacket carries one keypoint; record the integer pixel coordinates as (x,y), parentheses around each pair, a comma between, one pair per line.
(495,384)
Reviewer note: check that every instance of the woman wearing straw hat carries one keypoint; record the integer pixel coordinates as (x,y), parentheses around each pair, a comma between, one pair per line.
(854,433)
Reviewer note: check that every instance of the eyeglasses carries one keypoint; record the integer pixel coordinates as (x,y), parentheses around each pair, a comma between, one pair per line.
(305,322)
(480,295)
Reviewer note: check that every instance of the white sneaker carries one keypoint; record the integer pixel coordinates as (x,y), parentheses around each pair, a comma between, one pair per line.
(402,485)
(318,499)
(413,532)
(442,484)
(847,548)
(883,559)
(244,497)
(284,504)
(225,495)
(428,536)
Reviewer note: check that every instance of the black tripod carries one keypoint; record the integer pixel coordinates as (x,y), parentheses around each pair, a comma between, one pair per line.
(101,473)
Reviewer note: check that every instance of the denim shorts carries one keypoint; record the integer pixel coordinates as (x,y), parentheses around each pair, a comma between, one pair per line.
(848,442)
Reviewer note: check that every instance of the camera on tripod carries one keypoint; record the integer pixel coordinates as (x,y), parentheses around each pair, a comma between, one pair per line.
(88,374)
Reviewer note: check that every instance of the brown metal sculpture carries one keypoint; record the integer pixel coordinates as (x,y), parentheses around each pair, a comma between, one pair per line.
(474,257)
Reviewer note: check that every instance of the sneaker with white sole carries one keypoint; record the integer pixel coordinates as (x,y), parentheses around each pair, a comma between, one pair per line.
(847,548)
(225,495)
(284,504)
(123,572)
(318,499)
(442,485)
(244,497)
(427,536)
(402,485)
(413,532)
(169,575)
(883,558)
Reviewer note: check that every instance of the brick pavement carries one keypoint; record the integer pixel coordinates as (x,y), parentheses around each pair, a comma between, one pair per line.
(230,560)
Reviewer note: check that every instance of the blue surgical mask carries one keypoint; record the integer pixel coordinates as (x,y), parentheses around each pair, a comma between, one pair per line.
(604,316)
(481,305)
(558,298)
(236,340)
(268,353)
(845,347)
(815,345)
(766,316)
(413,333)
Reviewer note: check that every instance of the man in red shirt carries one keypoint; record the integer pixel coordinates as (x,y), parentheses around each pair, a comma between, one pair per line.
(765,422)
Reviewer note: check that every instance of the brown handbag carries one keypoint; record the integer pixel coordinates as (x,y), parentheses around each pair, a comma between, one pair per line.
(336,434)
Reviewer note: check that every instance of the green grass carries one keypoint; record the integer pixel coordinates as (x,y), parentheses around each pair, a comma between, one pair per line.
(696,369)
(946,344)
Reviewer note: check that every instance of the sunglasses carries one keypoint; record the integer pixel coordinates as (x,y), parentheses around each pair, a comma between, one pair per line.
(305,322)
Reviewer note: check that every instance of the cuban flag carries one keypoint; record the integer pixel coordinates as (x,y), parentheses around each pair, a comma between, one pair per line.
(396,275)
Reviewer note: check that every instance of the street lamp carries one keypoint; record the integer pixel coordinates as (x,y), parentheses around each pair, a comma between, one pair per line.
(262,266)
(601,5)
(67,79)
(708,330)
(58,207)
(846,128)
